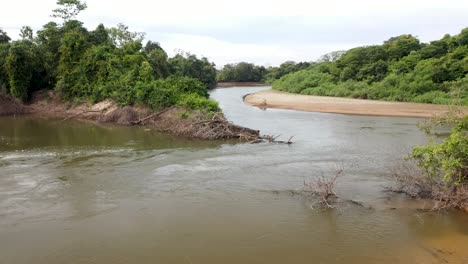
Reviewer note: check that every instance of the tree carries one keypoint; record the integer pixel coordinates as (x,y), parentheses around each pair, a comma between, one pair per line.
(401,46)
(120,35)
(332,56)
(68,9)
(18,66)
(72,48)
(4,50)
(462,38)
(49,40)
(26,33)
(158,61)
(99,36)
(151,45)
(186,64)
(4,38)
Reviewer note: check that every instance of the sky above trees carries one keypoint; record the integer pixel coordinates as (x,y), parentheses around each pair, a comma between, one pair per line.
(263,32)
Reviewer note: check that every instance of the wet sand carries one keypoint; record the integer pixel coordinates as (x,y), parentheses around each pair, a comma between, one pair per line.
(282,100)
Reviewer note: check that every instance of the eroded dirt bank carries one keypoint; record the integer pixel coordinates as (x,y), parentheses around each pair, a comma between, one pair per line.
(277,99)
(174,120)
(11,106)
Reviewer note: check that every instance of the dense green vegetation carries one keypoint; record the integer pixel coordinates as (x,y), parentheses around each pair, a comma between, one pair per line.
(443,174)
(401,69)
(241,72)
(101,63)
(248,72)
(446,161)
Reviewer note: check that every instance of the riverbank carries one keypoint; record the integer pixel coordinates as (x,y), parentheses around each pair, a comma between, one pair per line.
(238,84)
(174,120)
(283,100)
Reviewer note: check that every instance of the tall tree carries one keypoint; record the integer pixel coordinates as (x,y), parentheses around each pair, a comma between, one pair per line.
(26,33)
(68,9)
(4,38)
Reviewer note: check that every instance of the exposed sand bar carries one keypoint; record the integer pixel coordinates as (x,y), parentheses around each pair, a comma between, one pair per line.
(282,100)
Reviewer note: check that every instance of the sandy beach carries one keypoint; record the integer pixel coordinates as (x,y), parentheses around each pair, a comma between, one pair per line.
(282,100)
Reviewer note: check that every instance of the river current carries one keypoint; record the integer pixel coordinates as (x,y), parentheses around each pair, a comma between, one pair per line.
(80,192)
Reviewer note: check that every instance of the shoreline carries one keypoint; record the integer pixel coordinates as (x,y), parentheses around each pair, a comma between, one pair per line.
(239,84)
(172,120)
(339,105)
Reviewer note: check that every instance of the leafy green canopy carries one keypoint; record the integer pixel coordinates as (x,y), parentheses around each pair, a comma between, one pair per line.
(102,63)
(248,72)
(401,69)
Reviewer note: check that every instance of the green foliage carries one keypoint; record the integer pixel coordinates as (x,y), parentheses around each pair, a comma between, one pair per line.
(194,101)
(401,46)
(248,72)
(157,58)
(19,67)
(49,40)
(182,91)
(275,73)
(241,72)
(121,36)
(304,79)
(186,64)
(99,36)
(448,160)
(68,9)
(104,63)
(26,33)
(4,50)
(4,38)
(402,69)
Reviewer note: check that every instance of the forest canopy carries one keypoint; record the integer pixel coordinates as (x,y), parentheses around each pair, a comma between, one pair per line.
(401,69)
(249,72)
(82,64)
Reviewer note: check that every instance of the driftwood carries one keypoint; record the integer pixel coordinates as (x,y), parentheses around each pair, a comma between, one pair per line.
(272,139)
(142,120)
(83,112)
(219,128)
(87,111)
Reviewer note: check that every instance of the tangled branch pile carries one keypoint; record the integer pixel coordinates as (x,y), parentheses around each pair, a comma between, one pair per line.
(412,181)
(220,128)
(324,188)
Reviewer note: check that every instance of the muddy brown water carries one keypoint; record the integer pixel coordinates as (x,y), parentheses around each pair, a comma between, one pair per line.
(77,192)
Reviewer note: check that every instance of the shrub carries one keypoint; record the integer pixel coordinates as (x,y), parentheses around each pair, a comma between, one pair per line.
(196,102)
(449,159)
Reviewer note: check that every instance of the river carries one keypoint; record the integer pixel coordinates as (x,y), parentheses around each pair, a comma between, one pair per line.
(80,192)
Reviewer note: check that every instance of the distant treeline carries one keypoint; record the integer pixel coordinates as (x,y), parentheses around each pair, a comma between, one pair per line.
(248,72)
(82,64)
(401,69)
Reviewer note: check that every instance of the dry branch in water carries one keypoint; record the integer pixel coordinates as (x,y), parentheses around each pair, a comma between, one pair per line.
(324,187)
(413,182)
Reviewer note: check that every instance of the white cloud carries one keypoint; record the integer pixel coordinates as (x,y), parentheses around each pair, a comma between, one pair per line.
(261,31)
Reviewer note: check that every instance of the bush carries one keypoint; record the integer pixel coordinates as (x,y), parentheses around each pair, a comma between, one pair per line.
(196,102)
(449,159)
(433,97)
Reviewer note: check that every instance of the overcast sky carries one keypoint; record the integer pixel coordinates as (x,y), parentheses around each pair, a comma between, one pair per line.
(266,32)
